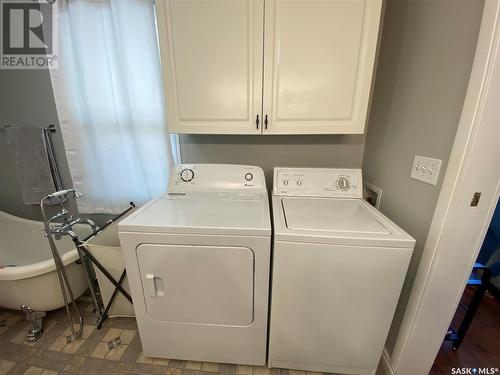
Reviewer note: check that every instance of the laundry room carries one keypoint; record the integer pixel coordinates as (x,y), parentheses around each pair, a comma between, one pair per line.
(251,187)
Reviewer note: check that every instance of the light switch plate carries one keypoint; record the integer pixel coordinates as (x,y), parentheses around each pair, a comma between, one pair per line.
(425,169)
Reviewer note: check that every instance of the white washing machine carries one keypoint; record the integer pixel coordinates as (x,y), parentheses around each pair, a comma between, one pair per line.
(198,262)
(338,270)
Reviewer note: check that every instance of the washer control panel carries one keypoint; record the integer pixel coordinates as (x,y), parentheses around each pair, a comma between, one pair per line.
(216,177)
(318,182)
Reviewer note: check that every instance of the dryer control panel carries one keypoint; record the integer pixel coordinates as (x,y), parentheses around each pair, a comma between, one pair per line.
(217,178)
(318,182)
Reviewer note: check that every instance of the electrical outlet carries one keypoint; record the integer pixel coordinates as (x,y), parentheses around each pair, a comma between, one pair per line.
(425,169)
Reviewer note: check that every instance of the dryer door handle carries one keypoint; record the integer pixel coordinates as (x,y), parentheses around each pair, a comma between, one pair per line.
(150,285)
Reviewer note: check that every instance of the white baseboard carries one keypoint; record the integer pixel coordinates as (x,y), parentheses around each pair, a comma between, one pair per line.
(385,366)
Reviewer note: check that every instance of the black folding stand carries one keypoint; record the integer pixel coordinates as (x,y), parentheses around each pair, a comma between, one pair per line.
(80,244)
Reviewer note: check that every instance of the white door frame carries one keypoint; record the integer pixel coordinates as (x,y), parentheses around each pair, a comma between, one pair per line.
(457,229)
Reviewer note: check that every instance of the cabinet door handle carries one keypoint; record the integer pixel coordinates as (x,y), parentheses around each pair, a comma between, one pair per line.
(265,122)
(257,121)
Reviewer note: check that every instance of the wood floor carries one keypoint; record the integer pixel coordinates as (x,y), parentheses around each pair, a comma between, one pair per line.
(481,346)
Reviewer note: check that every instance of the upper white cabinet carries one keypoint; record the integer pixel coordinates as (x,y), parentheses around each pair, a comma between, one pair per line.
(212,55)
(270,67)
(319,58)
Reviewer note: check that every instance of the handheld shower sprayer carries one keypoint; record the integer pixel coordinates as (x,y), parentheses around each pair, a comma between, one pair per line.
(66,192)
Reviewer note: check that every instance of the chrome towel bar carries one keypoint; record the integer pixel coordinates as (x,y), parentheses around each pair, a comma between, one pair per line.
(51,128)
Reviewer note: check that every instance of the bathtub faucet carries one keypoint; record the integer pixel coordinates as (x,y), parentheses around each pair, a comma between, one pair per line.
(67,228)
(90,223)
(57,231)
(63,214)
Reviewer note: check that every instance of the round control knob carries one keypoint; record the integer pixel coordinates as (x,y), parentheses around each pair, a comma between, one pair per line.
(249,176)
(285,182)
(343,183)
(187,174)
(299,182)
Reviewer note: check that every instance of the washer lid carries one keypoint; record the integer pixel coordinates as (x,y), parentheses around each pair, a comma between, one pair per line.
(333,215)
(337,221)
(202,213)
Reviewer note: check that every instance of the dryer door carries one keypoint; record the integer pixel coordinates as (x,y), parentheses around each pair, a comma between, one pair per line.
(197,284)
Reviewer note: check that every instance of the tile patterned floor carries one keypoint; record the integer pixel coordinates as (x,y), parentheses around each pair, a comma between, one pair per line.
(90,355)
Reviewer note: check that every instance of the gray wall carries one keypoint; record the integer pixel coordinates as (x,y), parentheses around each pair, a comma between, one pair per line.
(275,151)
(424,65)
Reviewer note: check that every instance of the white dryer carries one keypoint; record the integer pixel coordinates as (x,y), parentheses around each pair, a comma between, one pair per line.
(198,262)
(338,270)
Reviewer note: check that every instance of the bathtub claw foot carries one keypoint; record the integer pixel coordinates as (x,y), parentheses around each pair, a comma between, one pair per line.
(36,318)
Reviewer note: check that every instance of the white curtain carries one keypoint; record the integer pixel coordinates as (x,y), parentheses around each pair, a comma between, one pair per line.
(109,98)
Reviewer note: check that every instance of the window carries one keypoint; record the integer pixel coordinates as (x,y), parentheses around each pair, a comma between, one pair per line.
(109,98)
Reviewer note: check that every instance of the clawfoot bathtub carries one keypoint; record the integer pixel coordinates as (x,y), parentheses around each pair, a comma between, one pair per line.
(27,270)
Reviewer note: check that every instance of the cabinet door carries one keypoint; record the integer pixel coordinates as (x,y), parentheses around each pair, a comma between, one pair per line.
(318,64)
(212,55)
